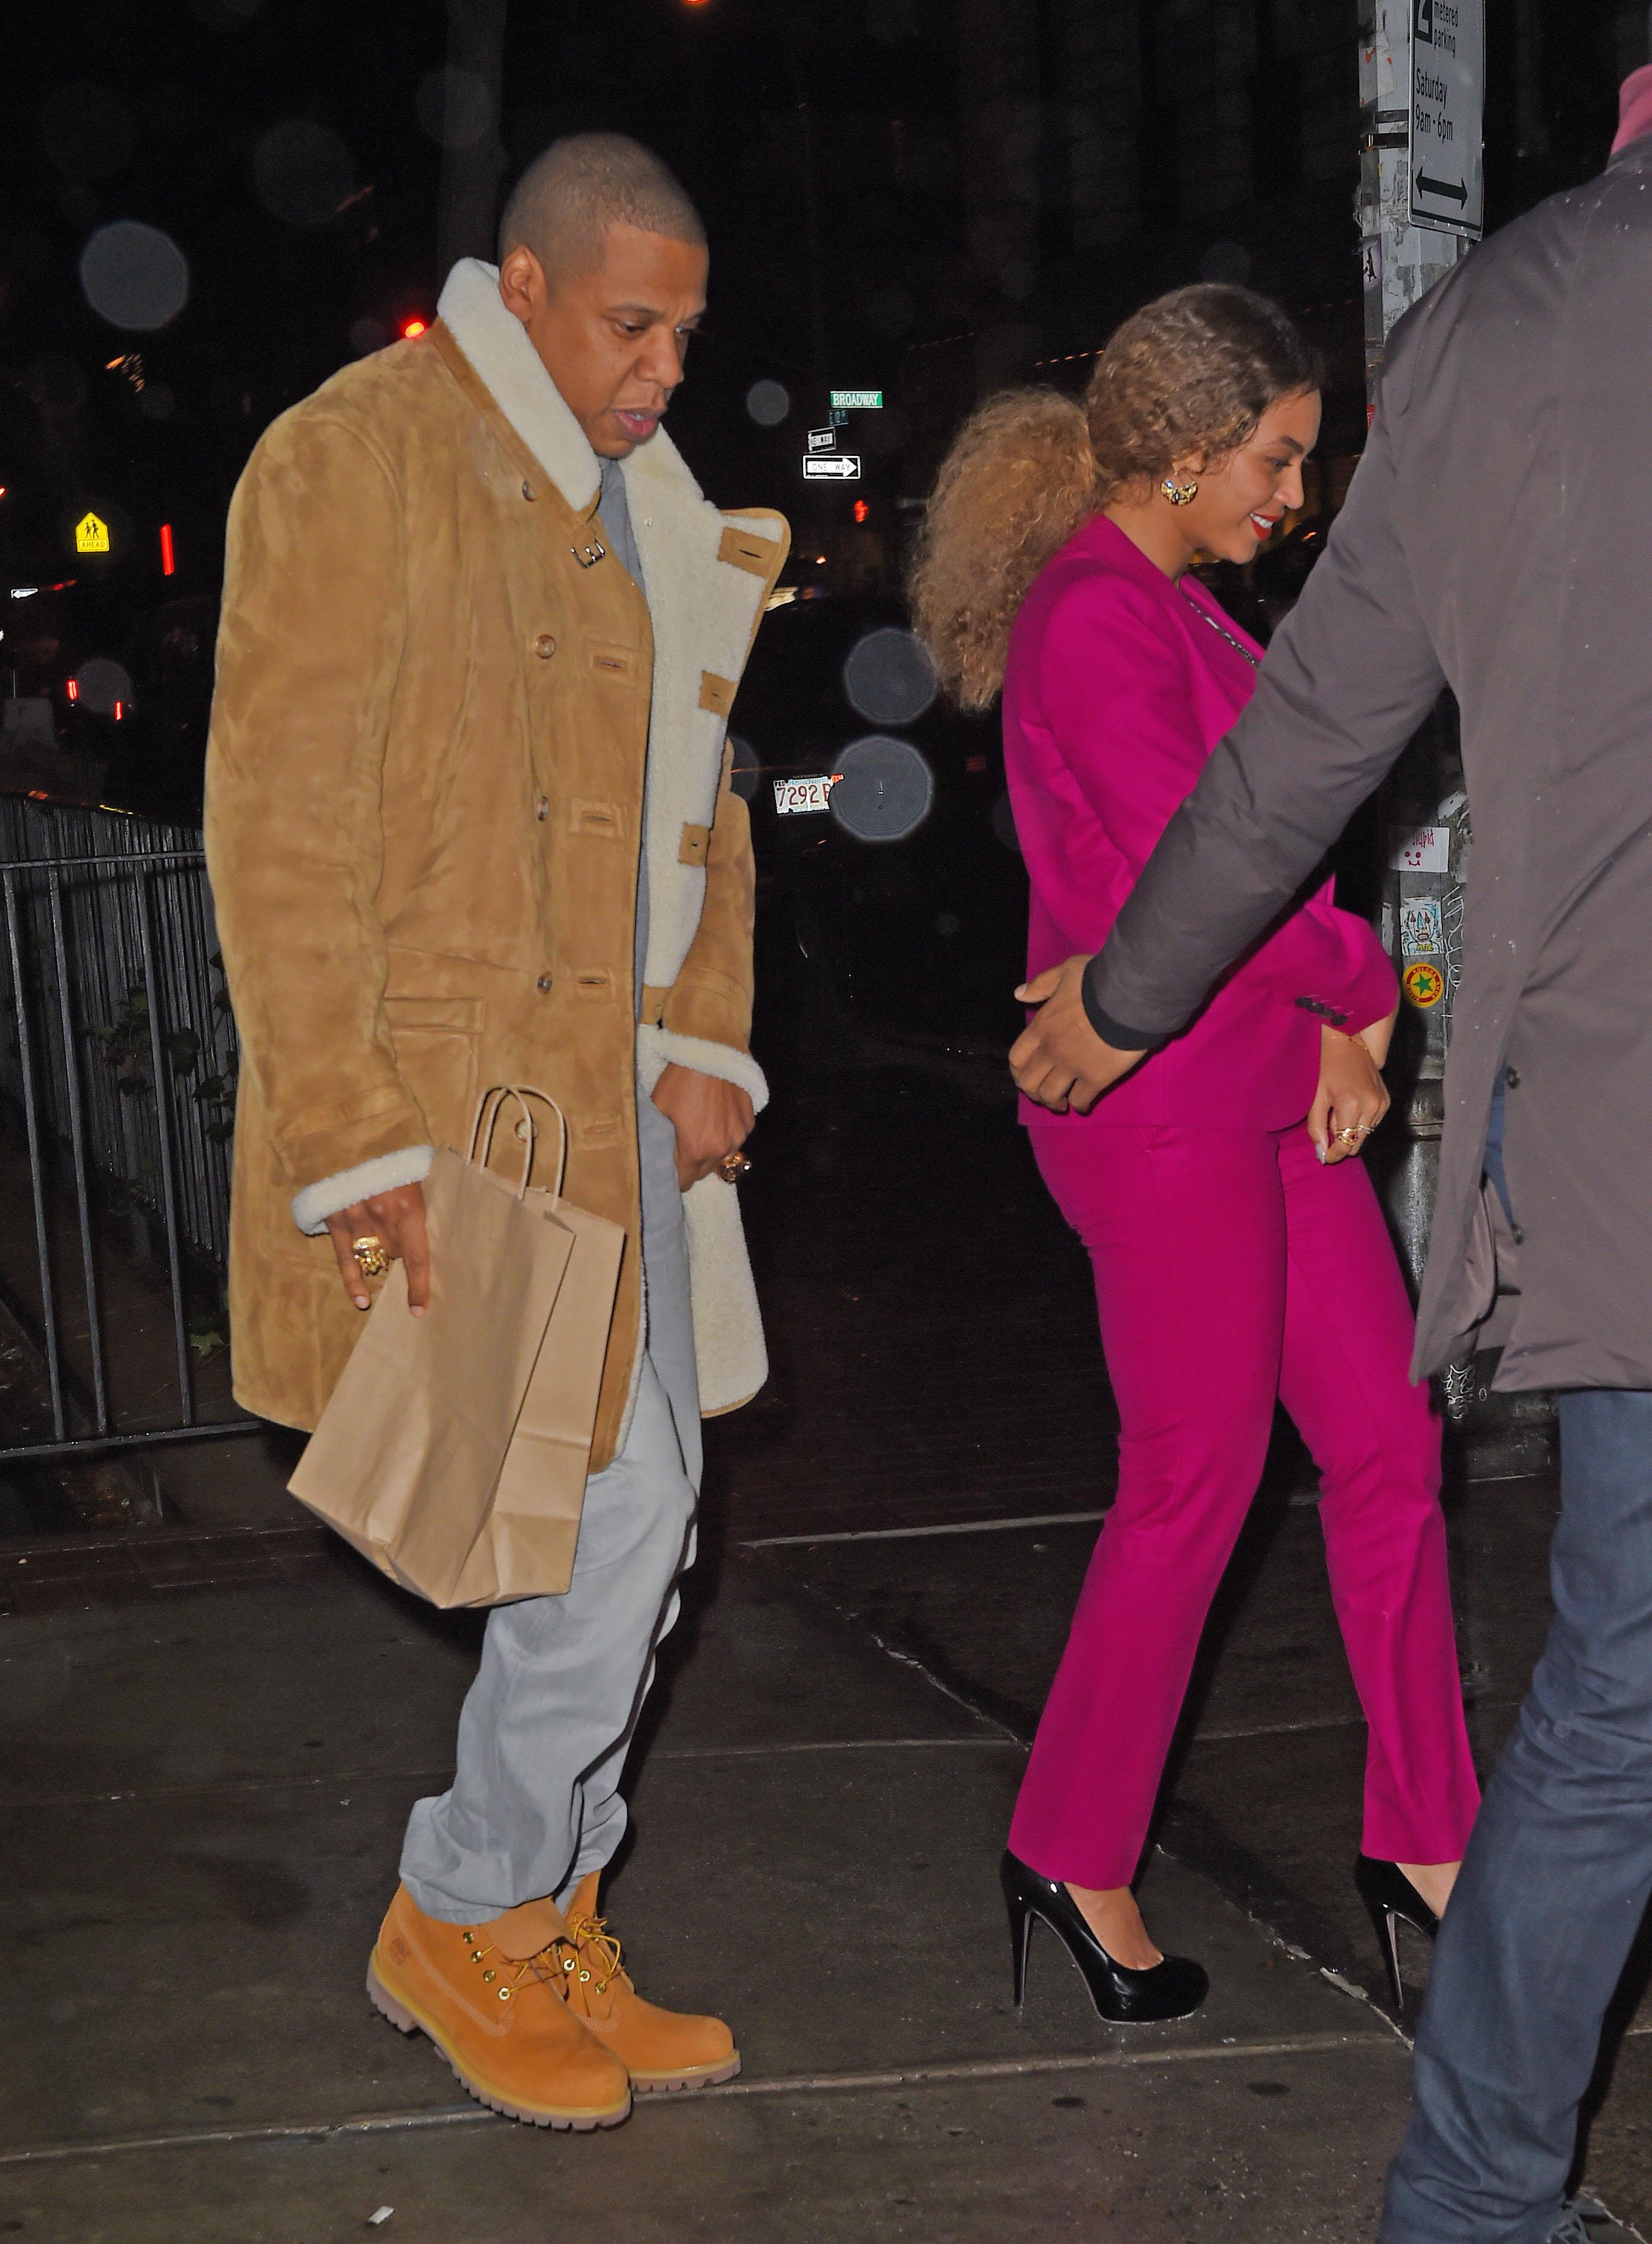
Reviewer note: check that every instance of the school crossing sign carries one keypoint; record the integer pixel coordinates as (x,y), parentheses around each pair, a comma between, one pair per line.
(1444,133)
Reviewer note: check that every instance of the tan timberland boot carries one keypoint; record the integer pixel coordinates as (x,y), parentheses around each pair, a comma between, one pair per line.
(659,2048)
(502,2020)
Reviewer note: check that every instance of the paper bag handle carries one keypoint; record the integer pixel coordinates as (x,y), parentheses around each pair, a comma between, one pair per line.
(488,1109)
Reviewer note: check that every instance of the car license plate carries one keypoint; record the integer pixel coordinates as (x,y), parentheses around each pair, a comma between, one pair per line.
(795,795)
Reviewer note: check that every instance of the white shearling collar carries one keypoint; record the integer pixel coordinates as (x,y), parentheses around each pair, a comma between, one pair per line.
(509,368)
(496,344)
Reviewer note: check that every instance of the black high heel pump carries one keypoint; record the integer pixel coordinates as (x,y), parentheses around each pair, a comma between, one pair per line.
(1172,1989)
(1392,1899)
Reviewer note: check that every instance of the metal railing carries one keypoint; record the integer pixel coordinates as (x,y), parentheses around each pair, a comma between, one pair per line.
(118,1074)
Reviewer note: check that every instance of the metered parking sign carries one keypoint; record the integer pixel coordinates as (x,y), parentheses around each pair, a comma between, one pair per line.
(1444,130)
(884,790)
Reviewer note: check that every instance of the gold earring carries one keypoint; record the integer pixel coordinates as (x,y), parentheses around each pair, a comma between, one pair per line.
(1179,494)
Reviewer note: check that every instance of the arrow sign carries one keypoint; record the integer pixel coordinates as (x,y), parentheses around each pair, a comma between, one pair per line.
(822,440)
(841,467)
(1444,135)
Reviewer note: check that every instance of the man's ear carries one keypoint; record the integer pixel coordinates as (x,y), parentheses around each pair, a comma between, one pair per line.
(522,283)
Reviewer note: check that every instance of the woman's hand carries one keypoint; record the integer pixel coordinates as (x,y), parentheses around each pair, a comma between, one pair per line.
(1352,1098)
(1378,1038)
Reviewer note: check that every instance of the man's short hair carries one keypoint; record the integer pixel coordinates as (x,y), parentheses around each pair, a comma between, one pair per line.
(565,201)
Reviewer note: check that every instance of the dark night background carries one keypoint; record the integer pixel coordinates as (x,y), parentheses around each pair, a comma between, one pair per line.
(931,196)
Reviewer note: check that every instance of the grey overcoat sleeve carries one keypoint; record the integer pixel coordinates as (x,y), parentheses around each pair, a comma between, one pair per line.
(1351,674)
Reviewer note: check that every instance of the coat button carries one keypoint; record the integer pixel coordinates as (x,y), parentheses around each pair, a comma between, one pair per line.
(541,809)
(1518,1235)
(544,647)
(1511,1078)
(545,984)
(527,491)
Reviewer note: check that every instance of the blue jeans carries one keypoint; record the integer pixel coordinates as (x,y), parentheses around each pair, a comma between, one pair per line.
(1556,1877)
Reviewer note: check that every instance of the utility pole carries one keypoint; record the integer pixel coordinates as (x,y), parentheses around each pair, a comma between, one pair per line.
(473,162)
(1419,209)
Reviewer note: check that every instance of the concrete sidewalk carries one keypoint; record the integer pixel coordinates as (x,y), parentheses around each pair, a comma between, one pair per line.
(203,1796)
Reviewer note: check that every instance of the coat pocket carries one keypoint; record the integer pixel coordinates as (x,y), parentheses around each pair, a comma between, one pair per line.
(438,1049)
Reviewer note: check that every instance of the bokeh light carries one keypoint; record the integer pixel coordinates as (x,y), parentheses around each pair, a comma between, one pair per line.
(101,683)
(302,172)
(453,107)
(134,275)
(768,403)
(745,767)
(885,791)
(888,677)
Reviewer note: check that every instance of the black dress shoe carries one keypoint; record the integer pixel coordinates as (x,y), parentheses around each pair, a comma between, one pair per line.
(1392,1899)
(1171,1989)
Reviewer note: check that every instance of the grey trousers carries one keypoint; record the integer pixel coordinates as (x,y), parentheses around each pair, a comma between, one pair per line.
(1556,1877)
(535,1801)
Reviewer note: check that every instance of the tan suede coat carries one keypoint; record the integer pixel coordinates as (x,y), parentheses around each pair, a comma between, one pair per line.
(425,808)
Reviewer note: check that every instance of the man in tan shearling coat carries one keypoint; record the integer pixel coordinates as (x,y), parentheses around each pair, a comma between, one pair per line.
(469,822)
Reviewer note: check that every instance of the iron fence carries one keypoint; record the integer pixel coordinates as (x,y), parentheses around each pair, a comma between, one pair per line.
(118,1073)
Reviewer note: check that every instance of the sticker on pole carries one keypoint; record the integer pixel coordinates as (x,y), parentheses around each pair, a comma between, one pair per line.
(1419,848)
(1421,928)
(1444,134)
(1425,986)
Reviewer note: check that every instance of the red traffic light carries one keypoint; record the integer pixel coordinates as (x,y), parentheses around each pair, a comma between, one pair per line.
(412,329)
(862,509)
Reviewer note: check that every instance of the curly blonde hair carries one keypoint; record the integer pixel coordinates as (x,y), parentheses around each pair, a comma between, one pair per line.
(1187,377)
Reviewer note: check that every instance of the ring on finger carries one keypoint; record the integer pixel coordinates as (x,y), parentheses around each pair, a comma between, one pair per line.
(370,1256)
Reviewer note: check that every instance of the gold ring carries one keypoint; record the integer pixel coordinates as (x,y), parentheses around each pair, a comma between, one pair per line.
(370,1257)
(733,1168)
(1348,1137)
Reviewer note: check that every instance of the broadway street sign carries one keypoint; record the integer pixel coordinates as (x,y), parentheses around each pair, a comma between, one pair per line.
(1448,96)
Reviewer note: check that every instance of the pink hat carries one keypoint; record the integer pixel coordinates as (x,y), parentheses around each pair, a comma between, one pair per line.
(1633,108)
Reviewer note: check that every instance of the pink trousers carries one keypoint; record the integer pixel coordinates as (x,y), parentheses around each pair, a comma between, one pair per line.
(1231,1268)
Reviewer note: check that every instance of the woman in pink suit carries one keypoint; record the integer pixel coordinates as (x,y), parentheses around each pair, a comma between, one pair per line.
(1240,1254)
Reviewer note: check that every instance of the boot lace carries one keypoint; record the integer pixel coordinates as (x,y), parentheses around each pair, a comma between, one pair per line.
(591,1937)
(522,1969)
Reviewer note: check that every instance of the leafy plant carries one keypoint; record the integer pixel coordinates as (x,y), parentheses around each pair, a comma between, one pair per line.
(128,1045)
(215,1094)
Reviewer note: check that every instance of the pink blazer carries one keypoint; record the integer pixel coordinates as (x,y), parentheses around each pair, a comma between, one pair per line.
(1115,690)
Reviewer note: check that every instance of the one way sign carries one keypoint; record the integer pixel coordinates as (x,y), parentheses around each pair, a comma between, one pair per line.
(837,468)
(1448,100)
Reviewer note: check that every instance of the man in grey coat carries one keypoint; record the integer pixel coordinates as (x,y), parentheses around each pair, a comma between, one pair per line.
(1497,538)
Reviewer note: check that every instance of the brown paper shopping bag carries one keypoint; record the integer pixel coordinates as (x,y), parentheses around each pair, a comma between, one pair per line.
(406,1462)
(534,1526)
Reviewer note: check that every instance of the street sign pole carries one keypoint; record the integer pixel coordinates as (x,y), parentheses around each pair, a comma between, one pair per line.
(1400,261)
(1420,209)
(1412,234)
